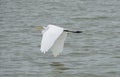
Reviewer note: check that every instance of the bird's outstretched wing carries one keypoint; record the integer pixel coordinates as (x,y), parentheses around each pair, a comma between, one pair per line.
(59,44)
(49,37)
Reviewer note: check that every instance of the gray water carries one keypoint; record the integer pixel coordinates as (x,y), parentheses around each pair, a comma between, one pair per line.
(94,53)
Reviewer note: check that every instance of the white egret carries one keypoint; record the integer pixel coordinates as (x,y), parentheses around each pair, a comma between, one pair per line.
(53,38)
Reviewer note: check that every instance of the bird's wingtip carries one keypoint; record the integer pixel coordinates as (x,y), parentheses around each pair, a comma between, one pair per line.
(43,51)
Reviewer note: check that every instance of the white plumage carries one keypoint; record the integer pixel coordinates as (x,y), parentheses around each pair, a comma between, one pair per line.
(59,44)
(53,39)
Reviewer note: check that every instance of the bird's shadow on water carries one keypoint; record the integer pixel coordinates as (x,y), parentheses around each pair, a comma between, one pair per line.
(58,67)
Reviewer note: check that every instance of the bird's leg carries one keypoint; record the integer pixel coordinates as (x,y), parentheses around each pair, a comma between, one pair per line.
(73,31)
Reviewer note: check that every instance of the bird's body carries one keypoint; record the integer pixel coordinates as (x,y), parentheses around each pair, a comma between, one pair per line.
(53,38)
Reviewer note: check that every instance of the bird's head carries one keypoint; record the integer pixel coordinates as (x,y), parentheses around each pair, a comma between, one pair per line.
(40,28)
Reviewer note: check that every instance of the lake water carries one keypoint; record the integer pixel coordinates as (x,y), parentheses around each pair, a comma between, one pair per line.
(94,53)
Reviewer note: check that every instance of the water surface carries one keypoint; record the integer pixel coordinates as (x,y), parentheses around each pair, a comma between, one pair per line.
(94,53)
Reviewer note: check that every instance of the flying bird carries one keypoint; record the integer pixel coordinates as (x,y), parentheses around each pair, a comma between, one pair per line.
(53,38)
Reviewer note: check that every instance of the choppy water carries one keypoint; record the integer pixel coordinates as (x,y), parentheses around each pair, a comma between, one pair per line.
(94,53)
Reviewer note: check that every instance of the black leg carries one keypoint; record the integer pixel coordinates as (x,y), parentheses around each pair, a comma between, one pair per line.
(73,31)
